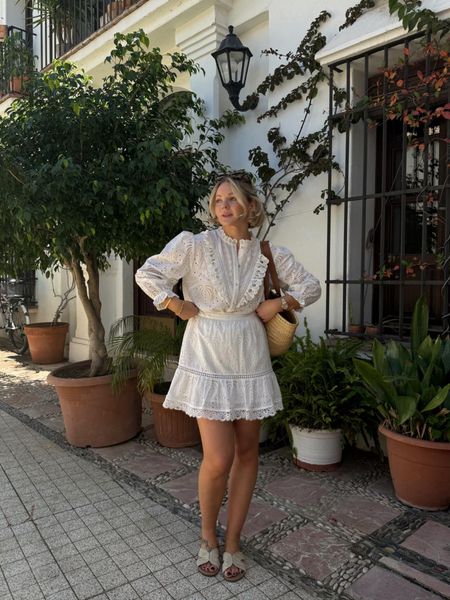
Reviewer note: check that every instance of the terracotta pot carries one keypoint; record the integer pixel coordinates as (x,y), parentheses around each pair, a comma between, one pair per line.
(354,328)
(117,7)
(420,470)
(46,342)
(173,428)
(372,330)
(316,449)
(16,83)
(94,415)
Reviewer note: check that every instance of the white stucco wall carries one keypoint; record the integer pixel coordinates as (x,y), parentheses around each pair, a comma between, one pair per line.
(196,27)
(13,13)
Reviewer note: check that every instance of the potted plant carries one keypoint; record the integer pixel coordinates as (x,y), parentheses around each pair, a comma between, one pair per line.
(46,341)
(17,62)
(69,22)
(88,171)
(372,329)
(323,399)
(412,389)
(150,348)
(353,327)
(116,8)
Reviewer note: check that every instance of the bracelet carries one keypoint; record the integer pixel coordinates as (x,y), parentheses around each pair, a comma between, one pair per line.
(284,302)
(181,309)
(167,302)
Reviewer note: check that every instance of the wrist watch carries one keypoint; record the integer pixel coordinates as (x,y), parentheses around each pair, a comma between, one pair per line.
(284,304)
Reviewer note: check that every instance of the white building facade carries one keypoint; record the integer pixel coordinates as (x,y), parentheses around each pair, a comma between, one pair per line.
(333,244)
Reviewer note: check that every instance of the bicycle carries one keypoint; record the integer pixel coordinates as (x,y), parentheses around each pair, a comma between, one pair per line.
(13,316)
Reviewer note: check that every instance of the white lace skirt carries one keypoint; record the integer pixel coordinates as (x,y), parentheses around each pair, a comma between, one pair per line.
(224,372)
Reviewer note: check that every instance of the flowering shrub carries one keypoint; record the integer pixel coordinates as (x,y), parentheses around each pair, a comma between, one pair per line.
(391,269)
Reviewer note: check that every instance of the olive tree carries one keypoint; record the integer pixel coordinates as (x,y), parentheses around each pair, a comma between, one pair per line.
(91,171)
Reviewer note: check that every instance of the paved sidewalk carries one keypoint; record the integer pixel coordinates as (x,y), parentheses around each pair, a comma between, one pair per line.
(69,531)
(122,522)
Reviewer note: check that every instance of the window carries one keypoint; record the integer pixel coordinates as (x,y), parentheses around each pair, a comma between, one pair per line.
(388,227)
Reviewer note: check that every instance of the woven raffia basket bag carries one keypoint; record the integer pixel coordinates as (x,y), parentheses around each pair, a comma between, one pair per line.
(282,327)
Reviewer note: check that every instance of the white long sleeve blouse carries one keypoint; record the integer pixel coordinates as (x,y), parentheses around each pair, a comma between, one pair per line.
(217,277)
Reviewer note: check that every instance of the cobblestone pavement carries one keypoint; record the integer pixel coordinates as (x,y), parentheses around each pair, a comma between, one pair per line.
(122,522)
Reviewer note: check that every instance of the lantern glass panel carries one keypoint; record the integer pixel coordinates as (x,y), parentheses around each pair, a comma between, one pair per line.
(236,66)
(222,64)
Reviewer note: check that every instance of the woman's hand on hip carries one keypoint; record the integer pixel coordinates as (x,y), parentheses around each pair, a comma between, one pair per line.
(187,310)
(268,309)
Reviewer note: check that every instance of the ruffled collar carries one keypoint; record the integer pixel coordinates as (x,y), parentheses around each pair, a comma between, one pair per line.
(229,240)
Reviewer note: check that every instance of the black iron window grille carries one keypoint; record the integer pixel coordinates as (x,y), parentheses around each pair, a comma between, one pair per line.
(388,222)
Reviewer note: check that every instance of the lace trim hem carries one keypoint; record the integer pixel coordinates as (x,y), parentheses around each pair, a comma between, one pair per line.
(223,415)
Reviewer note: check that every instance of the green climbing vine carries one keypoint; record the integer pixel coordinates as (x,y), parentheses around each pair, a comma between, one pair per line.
(282,170)
(292,161)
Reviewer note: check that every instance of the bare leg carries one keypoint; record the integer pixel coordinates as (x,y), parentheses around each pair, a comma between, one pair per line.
(242,482)
(218,452)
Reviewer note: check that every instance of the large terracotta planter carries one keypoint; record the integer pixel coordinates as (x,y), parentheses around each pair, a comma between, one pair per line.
(46,342)
(420,470)
(94,415)
(316,449)
(173,428)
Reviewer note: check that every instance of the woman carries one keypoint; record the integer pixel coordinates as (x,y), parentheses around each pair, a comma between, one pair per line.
(224,377)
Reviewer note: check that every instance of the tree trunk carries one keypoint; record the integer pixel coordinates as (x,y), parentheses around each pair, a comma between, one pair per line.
(88,292)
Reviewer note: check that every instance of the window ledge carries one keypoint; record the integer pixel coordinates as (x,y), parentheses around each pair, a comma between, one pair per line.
(374,28)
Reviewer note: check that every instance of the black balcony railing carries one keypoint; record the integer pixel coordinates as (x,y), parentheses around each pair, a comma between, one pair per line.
(49,34)
(71,22)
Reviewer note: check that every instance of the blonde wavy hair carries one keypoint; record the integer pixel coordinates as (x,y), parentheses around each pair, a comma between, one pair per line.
(245,192)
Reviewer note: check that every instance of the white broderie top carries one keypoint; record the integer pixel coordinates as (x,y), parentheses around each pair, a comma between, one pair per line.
(224,370)
(218,278)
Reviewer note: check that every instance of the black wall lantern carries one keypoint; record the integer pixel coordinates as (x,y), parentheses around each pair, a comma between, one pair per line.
(233,59)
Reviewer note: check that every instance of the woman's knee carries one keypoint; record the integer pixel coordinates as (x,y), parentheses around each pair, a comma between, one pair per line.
(217,465)
(246,450)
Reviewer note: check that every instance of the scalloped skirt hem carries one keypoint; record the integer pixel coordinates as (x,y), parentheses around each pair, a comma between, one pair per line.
(253,415)
(225,398)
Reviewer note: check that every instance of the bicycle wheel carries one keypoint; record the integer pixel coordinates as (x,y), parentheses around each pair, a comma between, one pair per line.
(20,317)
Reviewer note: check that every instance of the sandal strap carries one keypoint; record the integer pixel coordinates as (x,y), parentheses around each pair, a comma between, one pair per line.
(208,556)
(236,559)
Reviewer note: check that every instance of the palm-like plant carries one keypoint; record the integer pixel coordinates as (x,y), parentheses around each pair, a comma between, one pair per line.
(148,348)
(412,386)
(66,18)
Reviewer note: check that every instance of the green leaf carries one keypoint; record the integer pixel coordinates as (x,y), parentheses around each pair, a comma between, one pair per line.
(439,399)
(406,407)
(397,357)
(379,360)
(435,355)
(445,356)
(382,390)
(419,326)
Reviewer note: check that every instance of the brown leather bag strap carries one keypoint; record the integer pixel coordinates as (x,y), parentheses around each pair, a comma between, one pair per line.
(271,273)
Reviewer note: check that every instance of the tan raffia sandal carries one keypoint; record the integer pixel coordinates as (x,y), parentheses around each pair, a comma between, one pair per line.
(208,555)
(237,559)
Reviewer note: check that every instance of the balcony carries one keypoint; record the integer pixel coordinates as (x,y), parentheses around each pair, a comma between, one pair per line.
(71,22)
(16,59)
(50,33)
